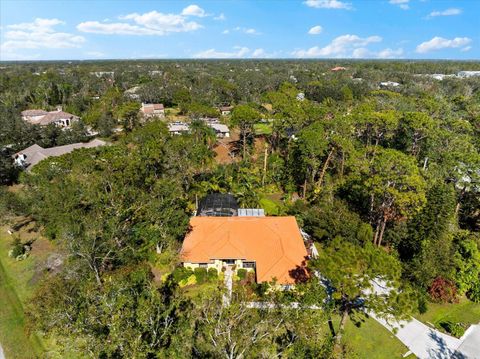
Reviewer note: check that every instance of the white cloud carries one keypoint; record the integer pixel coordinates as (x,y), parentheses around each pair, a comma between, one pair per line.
(466,48)
(448,12)
(39,34)
(214,54)
(251,31)
(245,30)
(364,53)
(328,4)
(95,54)
(390,53)
(220,17)
(150,23)
(403,4)
(194,10)
(342,46)
(315,30)
(438,43)
(262,54)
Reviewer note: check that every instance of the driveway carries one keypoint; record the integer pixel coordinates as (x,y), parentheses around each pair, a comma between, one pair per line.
(428,343)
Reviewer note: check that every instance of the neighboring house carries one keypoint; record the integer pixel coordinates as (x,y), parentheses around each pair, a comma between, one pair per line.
(464,74)
(103,73)
(226,110)
(220,129)
(152,110)
(30,156)
(155,73)
(177,128)
(338,68)
(389,84)
(33,116)
(132,93)
(272,247)
(44,118)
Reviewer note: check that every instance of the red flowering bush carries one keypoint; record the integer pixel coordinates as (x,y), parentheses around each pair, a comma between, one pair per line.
(443,290)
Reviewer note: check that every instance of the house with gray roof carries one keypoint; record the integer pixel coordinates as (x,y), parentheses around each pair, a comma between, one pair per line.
(32,155)
(44,118)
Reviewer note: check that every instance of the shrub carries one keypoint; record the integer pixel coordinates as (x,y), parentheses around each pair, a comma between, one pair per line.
(455,329)
(188,281)
(181,273)
(474,293)
(242,273)
(17,248)
(212,274)
(422,304)
(201,275)
(443,290)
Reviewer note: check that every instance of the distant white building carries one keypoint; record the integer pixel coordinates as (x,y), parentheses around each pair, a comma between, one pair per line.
(220,129)
(177,128)
(132,93)
(103,73)
(465,74)
(152,110)
(155,73)
(389,84)
(225,110)
(44,118)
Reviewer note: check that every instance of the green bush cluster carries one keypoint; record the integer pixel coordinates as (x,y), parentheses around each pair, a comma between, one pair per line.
(212,274)
(242,273)
(17,248)
(181,273)
(200,275)
(474,293)
(455,329)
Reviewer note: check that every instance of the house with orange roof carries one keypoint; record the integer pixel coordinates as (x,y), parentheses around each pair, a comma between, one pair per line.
(272,247)
(152,110)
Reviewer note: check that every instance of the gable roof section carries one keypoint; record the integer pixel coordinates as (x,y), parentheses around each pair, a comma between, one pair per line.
(35,153)
(274,243)
(34,113)
(55,116)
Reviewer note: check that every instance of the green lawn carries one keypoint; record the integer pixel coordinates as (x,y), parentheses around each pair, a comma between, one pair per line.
(14,289)
(371,340)
(262,128)
(464,311)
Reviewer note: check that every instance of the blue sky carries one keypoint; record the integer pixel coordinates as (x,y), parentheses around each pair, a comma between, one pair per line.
(70,29)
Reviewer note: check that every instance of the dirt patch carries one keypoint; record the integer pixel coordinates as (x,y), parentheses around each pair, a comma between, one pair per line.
(225,149)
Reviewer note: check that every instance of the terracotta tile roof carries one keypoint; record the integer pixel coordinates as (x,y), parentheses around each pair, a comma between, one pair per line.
(152,107)
(274,243)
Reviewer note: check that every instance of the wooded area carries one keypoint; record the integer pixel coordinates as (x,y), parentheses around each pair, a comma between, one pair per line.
(384,180)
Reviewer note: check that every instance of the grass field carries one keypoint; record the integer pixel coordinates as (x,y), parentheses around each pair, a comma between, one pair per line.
(262,128)
(14,290)
(371,340)
(464,311)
